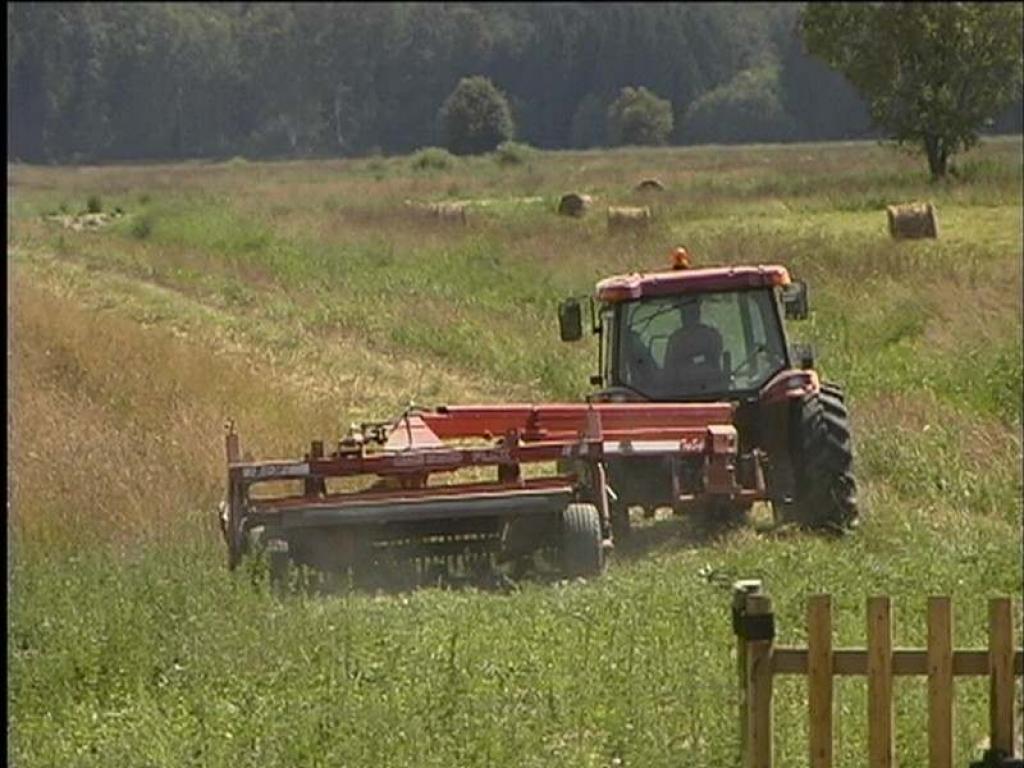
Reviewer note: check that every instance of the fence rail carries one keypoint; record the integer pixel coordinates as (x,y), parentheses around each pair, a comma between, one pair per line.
(760,660)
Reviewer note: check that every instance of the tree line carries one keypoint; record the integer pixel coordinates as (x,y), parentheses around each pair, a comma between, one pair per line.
(90,82)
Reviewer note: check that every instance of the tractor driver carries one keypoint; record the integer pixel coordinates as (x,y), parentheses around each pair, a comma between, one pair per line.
(693,357)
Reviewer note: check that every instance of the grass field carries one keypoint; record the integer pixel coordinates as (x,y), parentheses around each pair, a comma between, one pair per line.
(299,297)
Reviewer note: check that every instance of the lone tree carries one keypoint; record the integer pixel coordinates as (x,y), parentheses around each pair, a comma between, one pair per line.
(932,73)
(638,116)
(475,118)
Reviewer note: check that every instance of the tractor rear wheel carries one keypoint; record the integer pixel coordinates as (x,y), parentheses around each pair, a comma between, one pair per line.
(826,492)
(582,553)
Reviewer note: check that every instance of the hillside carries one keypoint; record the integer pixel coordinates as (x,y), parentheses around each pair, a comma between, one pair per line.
(299,297)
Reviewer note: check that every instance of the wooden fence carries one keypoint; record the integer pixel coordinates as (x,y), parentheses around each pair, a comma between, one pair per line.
(760,660)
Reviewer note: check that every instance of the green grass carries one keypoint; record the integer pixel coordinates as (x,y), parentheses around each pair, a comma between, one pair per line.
(298,297)
(158,658)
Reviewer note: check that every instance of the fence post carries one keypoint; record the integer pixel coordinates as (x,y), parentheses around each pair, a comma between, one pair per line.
(819,680)
(1000,665)
(740,590)
(754,625)
(880,715)
(761,637)
(940,683)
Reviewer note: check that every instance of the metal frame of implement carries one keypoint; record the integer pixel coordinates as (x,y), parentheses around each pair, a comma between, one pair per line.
(406,452)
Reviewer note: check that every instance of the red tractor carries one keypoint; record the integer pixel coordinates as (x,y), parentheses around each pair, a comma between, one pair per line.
(718,336)
(705,407)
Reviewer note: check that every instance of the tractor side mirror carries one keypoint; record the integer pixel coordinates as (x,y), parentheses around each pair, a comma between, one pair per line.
(794,300)
(802,355)
(570,320)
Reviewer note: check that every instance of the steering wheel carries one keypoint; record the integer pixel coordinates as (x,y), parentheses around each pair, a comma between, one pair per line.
(749,360)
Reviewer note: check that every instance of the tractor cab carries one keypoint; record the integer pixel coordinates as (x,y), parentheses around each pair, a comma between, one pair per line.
(717,335)
(691,334)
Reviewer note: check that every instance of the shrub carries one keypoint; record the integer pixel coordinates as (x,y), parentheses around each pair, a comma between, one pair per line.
(142,227)
(476,117)
(94,204)
(976,170)
(747,108)
(432,159)
(513,153)
(638,116)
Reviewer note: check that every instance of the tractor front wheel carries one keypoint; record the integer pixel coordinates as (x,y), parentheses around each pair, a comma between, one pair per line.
(826,492)
(582,553)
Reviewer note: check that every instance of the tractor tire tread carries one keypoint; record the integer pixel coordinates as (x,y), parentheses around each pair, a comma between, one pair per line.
(834,390)
(826,488)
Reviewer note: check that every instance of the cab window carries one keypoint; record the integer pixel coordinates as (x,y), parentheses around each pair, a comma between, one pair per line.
(699,344)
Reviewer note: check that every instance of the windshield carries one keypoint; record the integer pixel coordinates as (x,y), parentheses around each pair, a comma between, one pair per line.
(698,344)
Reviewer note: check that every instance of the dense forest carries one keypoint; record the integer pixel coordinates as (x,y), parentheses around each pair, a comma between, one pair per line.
(90,82)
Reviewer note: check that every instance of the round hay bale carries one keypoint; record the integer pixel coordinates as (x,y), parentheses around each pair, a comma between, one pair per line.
(574,204)
(449,212)
(912,221)
(650,185)
(94,220)
(625,218)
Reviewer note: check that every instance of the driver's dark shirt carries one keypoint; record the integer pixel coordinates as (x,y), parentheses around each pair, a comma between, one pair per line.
(693,359)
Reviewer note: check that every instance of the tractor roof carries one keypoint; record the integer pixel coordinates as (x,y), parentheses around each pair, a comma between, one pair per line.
(641,285)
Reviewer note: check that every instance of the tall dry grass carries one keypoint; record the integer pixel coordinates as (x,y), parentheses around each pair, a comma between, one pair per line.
(115,429)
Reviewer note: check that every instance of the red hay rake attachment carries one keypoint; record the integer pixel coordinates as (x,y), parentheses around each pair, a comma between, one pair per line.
(520,510)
